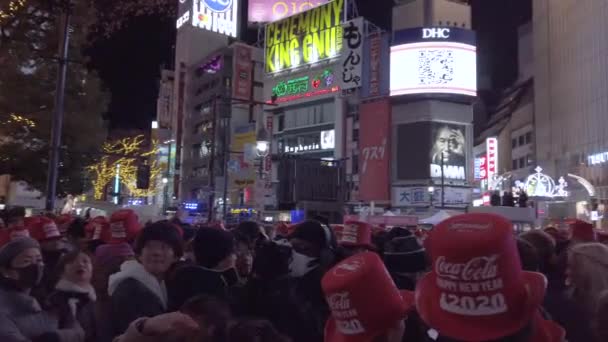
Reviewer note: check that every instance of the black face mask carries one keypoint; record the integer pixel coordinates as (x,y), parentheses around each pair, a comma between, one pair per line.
(29,276)
(230,277)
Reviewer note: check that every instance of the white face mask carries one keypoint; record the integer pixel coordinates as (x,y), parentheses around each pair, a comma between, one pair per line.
(301,264)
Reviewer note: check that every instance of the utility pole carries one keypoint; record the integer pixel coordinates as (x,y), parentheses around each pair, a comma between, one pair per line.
(55,151)
(442,179)
(226,152)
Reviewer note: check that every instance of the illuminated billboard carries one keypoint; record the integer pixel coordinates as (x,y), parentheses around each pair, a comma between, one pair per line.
(305,38)
(433,60)
(220,16)
(321,83)
(267,11)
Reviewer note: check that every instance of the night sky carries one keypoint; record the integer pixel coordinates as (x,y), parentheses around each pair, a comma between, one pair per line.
(130,61)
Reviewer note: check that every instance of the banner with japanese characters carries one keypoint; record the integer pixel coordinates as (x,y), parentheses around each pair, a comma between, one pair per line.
(351,61)
(374,150)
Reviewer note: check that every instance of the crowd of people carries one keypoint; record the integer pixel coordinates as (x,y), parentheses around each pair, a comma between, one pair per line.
(470,279)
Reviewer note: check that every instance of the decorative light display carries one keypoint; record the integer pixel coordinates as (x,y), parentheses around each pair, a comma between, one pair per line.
(127,153)
(13,7)
(541,185)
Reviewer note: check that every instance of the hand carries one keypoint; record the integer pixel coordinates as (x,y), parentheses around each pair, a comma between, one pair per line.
(170,323)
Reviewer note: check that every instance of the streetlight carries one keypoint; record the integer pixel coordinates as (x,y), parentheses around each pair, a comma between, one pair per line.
(165,180)
(431,191)
(262,145)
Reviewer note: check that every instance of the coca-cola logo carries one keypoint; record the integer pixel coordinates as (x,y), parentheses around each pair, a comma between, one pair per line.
(476,269)
(471,226)
(339,301)
(348,267)
(118,230)
(50,230)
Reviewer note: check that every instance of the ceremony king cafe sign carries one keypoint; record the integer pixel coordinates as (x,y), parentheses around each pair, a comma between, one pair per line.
(305,38)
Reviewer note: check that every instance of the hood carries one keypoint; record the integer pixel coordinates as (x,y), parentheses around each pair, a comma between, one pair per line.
(68,286)
(132,269)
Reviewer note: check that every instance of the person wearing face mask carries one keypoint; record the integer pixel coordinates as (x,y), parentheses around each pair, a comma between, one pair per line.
(74,292)
(214,272)
(139,289)
(314,251)
(52,246)
(21,316)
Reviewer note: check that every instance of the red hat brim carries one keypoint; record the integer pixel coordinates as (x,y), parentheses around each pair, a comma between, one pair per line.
(333,335)
(428,306)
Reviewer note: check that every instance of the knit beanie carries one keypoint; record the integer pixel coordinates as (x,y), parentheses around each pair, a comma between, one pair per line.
(160,231)
(313,232)
(212,245)
(14,248)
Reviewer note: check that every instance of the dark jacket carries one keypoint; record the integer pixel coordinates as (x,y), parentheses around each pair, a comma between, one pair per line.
(83,299)
(310,307)
(134,293)
(22,319)
(570,314)
(190,281)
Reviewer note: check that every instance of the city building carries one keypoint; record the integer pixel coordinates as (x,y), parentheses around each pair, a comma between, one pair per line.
(506,147)
(312,94)
(164,133)
(570,86)
(432,88)
(218,160)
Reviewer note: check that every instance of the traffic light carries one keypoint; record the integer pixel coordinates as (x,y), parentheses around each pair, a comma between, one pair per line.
(143,176)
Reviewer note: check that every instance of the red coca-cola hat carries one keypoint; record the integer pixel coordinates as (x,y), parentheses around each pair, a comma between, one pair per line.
(582,231)
(477,290)
(4,237)
(97,228)
(363,299)
(355,234)
(337,229)
(63,223)
(44,229)
(124,227)
(18,232)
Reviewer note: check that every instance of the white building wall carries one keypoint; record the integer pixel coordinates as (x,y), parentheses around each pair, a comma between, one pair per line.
(571,82)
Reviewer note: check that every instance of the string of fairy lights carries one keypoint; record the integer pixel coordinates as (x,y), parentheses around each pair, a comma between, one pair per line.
(122,157)
(12,9)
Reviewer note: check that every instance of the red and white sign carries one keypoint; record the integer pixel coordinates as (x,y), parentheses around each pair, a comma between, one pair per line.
(374,65)
(491,157)
(243,67)
(374,150)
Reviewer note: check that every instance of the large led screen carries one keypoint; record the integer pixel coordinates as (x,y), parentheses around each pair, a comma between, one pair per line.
(433,60)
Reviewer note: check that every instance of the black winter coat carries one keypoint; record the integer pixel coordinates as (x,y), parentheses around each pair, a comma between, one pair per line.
(85,306)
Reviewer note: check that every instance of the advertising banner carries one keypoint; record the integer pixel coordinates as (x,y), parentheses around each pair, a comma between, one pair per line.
(374,153)
(423,148)
(491,157)
(242,72)
(351,61)
(241,166)
(267,11)
(433,60)
(305,38)
(448,151)
(420,197)
(376,70)
(312,84)
(220,16)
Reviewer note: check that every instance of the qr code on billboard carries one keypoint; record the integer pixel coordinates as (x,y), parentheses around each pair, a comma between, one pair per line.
(435,66)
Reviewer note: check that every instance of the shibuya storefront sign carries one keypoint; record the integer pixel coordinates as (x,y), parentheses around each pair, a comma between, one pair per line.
(598,158)
(420,197)
(220,16)
(351,61)
(265,11)
(305,86)
(326,140)
(305,38)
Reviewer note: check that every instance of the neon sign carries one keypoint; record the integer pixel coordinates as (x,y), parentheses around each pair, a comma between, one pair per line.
(297,88)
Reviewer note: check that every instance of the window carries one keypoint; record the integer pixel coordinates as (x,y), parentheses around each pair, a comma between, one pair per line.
(514,166)
(521,140)
(513,143)
(355,160)
(356,134)
(528,137)
(280,123)
(522,162)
